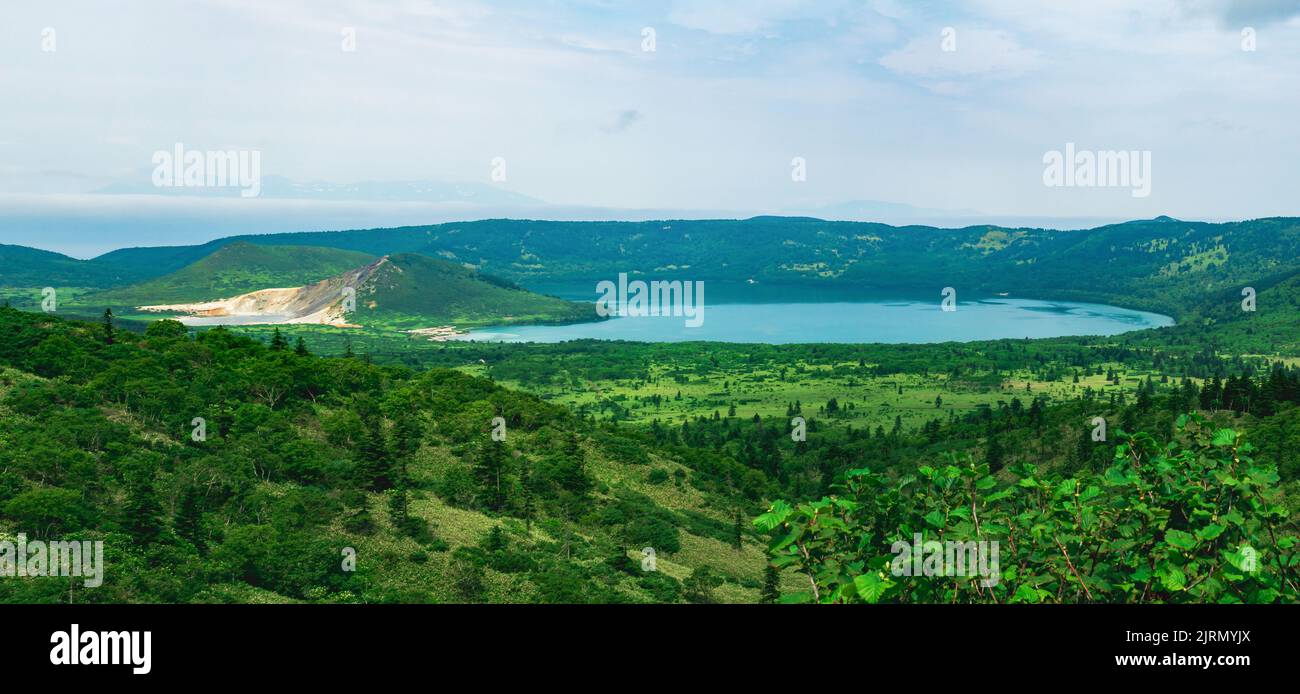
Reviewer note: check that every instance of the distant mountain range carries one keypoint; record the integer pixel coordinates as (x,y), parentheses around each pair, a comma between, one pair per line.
(857,210)
(371,191)
(132,211)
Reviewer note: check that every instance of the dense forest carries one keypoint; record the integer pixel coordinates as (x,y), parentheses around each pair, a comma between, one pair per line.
(219,467)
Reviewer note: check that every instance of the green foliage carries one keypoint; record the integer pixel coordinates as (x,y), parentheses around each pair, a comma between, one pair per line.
(165,329)
(1195,519)
(305,458)
(48,512)
(698,587)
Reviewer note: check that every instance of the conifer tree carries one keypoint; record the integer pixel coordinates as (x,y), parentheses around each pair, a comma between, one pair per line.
(376,459)
(526,496)
(771,585)
(189,516)
(495,540)
(489,470)
(142,513)
(108,326)
(994,454)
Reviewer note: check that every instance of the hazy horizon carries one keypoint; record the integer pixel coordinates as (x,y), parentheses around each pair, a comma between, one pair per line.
(688,107)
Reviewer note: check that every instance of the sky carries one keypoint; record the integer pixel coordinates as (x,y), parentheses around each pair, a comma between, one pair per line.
(930,109)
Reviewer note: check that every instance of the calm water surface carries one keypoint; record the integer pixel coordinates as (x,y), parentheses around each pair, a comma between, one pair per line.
(880,320)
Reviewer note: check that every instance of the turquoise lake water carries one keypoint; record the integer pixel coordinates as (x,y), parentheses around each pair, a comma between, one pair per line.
(889,320)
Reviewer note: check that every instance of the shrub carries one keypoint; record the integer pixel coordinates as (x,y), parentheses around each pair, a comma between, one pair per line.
(1196,520)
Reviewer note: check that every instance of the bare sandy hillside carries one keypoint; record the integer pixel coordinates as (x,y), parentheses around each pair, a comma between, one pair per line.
(320,303)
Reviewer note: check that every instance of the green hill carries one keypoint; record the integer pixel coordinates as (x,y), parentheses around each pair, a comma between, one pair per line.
(237,268)
(415,291)
(21,266)
(148,262)
(305,458)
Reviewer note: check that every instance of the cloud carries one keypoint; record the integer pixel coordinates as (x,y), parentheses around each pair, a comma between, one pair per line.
(980,53)
(732,17)
(729,17)
(624,121)
(1216,124)
(1242,13)
(439,88)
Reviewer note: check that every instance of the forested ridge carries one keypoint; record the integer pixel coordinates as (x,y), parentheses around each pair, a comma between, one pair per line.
(1168,265)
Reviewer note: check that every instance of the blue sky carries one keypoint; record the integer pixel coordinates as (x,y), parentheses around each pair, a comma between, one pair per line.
(586,120)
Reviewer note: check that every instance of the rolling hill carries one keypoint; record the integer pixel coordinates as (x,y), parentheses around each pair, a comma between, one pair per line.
(409,290)
(233,269)
(401,291)
(21,266)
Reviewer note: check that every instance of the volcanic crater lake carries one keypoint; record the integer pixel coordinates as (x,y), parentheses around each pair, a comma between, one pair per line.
(767,319)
